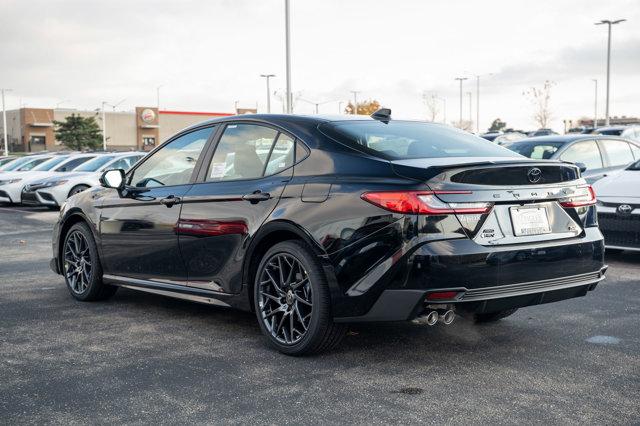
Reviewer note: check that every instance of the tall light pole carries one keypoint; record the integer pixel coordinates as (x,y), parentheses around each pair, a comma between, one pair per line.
(595,104)
(4,123)
(267,77)
(61,102)
(609,24)
(104,126)
(478,100)
(340,107)
(355,101)
(470,107)
(288,56)
(158,97)
(461,79)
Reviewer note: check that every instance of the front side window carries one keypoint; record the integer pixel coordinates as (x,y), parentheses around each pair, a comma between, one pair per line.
(242,152)
(586,153)
(50,163)
(619,152)
(399,140)
(172,164)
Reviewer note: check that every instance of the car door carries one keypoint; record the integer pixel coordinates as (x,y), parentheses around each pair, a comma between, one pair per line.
(138,225)
(617,154)
(588,153)
(238,189)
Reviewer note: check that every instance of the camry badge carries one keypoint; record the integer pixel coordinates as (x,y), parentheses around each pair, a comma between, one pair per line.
(534,175)
(624,209)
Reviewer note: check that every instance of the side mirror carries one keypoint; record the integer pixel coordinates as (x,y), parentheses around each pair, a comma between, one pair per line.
(582,167)
(113,179)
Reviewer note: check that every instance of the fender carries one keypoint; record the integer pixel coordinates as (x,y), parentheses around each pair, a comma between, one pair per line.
(276,226)
(72,213)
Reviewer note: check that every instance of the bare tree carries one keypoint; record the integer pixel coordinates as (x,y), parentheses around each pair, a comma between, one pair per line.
(466,125)
(540,97)
(433,109)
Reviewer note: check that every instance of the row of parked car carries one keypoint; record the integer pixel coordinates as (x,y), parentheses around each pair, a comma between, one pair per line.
(48,179)
(608,161)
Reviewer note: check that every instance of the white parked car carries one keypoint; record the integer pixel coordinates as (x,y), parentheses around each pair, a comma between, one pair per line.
(619,208)
(11,185)
(54,191)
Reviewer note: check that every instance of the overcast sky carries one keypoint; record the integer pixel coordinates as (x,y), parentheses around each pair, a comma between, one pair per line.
(209,54)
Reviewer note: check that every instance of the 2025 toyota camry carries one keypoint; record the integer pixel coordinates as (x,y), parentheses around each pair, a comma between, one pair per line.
(313,222)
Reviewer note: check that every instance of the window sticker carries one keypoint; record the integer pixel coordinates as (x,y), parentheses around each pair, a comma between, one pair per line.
(217,170)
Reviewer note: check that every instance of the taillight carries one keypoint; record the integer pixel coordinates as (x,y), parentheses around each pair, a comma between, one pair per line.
(423,202)
(585,196)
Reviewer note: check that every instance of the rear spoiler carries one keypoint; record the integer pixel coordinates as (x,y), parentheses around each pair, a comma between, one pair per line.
(413,170)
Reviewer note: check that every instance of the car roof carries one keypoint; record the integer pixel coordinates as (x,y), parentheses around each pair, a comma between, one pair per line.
(569,138)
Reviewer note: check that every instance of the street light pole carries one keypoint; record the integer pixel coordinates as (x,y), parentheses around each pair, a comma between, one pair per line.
(158,97)
(4,123)
(609,24)
(460,79)
(267,77)
(288,56)
(104,126)
(470,108)
(595,105)
(355,101)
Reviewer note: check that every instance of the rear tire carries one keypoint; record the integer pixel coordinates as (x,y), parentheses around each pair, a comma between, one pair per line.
(493,316)
(81,266)
(293,303)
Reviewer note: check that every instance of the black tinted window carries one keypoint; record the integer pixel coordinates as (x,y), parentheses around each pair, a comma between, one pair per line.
(405,139)
(242,152)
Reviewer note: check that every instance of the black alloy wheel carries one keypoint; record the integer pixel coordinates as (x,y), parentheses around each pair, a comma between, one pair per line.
(81,265)
(292,301)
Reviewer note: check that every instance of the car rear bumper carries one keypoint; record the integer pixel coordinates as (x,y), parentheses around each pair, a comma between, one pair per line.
(484,279)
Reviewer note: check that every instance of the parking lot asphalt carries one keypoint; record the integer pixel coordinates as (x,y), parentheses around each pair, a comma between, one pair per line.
(140,358)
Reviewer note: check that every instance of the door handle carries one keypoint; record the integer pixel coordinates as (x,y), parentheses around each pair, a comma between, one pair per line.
(170,201)
(256,196)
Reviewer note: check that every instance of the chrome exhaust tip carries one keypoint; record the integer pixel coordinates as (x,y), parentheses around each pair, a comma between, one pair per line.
(447,317)
(432,318)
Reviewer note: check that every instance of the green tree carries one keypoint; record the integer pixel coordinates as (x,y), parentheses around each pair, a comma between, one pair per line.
(497,125)
(78,133)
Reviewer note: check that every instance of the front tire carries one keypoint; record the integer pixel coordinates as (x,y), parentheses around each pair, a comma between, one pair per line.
(81,266)
(292,301)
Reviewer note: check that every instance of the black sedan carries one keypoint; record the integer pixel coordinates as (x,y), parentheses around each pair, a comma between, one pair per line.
(315,222)
(598,155)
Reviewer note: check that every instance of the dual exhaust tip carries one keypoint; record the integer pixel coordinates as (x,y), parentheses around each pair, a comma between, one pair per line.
(446,317)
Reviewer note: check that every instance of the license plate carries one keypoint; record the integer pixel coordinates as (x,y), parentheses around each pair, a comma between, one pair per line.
(529,221)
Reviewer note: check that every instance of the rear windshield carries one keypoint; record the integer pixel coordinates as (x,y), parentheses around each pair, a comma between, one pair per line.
(399,140)
(537,150)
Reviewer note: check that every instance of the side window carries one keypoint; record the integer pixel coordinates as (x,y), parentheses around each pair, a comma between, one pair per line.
(584,152)
(172,164)
(72,164)
(281,156)
(241,153)
(619,152)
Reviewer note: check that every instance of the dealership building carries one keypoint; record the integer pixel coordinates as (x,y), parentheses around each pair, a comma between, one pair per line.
(32,129)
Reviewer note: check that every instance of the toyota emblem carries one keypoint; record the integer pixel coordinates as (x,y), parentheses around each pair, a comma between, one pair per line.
(624,209)
(534,175)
